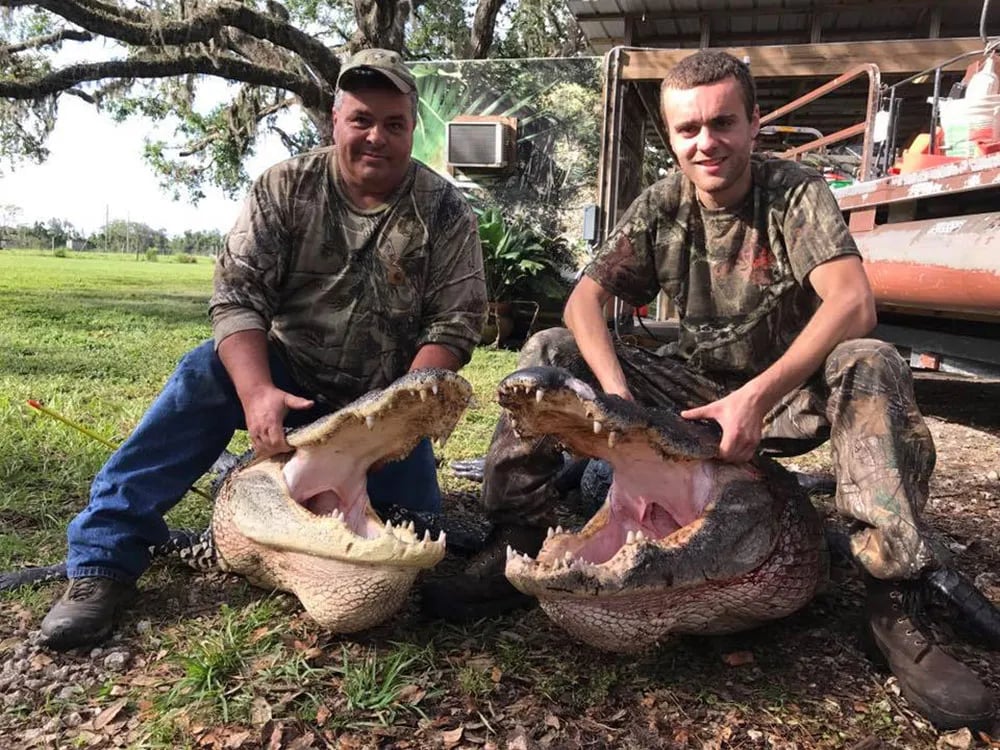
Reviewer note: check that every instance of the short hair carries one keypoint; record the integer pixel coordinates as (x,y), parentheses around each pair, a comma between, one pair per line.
(711,66)
(367,80)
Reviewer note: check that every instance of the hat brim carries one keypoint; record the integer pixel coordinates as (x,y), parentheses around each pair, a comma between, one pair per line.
(404,86)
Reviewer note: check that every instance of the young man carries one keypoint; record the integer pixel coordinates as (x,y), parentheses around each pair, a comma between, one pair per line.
(773,302)
(348,266)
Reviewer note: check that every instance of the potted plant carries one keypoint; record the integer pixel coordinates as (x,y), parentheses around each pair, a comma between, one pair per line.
(522,264)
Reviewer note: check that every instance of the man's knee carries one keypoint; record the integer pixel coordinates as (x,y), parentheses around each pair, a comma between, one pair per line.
(872,354)
(200,378)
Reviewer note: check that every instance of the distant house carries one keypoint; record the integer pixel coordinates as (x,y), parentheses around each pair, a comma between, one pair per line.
(75,244)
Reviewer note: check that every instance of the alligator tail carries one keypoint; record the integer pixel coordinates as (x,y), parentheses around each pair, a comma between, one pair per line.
(977,617)
(196,549)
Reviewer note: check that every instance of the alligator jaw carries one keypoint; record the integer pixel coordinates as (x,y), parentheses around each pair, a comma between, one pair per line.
(303,522)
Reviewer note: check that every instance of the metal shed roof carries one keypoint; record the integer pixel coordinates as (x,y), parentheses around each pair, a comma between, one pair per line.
(723,23)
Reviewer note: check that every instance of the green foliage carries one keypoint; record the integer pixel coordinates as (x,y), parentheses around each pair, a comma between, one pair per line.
(152,255)
(520,261)
(185,258)
(375,683)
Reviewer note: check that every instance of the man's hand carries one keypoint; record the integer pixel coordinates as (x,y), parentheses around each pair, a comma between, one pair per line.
(265,410)
(741,417)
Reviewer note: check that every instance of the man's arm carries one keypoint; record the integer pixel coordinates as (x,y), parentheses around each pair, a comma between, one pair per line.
(437,356)
(847,311)
(244,355)
(584,316)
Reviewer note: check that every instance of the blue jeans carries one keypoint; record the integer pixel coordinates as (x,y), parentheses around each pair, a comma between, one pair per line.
(185,430)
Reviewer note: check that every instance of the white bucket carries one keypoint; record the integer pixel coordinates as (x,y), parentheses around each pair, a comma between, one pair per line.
(965,121)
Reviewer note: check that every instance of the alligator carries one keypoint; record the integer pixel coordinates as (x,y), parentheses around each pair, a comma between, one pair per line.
(302,521)
(683,543)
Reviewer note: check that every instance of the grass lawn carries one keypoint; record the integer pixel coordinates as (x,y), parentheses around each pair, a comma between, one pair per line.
(212,662)
(94,337)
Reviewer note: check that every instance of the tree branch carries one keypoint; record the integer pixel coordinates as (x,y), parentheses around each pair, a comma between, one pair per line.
(145,29)
(44,41)
(224,67)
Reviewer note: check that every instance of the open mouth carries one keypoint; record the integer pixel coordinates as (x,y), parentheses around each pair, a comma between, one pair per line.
(322,486)
(664,477)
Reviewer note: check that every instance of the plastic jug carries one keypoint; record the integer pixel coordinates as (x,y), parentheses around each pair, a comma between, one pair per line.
(983,83)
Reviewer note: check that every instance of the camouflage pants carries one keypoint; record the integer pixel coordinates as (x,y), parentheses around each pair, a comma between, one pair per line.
(862,401)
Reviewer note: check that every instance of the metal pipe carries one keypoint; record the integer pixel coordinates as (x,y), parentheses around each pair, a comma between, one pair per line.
(982,22)
(932,148)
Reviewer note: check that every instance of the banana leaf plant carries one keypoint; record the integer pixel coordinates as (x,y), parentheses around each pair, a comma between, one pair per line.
(518,259)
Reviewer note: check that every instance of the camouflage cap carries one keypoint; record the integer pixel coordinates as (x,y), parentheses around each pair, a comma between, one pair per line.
(383,61)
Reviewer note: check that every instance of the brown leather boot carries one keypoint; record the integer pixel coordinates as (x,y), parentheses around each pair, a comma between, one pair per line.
(943,690)
(482,589)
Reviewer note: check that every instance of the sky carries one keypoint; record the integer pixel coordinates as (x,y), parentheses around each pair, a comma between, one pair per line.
(95,172)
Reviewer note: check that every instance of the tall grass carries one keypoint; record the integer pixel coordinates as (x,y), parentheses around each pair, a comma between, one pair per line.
(94,337)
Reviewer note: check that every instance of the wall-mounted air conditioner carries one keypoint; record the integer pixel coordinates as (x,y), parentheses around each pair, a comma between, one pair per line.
(480,142)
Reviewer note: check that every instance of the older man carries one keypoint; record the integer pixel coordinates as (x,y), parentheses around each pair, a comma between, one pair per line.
(348,266)
(773,302)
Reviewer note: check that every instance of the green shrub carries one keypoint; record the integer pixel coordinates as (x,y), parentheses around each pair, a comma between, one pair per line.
(60,252)
(520,260)
(152,254)
(185,258)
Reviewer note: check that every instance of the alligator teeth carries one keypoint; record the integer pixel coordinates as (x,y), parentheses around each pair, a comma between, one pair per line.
(550,533)
(630,537)
(441,538)
(597,427)
(411,527)
(427,536)
(539,394)
(559,529)
(434,388)
(423,394)
(388,526)
(370,422)
(639,537)
(517,434)
(568,557)
(510,553)
(612,439)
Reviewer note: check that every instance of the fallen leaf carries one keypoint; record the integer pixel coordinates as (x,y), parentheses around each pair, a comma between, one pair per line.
(107,715)
(551,720)
(322,714)
(411,694)
(495,674)
(260,711)
(960,740)
(452,737)
(237,740)
(738,658)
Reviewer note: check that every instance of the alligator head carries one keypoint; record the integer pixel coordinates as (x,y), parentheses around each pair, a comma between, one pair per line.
(302,521)
(683,542)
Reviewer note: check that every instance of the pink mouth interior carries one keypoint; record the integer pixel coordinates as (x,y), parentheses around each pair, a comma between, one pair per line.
(648,494)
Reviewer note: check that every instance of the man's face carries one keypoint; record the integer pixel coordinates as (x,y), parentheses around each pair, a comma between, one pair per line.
(373,137)
(711,136)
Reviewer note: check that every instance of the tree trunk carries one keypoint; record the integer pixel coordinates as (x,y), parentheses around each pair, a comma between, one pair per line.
(381,23)
(483,25)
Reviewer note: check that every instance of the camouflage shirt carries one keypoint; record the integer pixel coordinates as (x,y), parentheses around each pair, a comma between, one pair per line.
(349,295)
(738,277)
